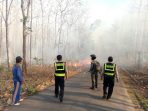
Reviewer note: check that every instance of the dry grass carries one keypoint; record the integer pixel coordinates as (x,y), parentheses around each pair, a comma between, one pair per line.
(136,90)
(37,79)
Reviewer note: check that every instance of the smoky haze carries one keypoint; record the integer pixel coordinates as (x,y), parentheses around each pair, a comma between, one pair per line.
(124,38)
(66,27)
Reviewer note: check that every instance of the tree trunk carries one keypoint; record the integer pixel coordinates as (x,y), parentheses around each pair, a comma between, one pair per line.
(24,48)
(1,35)
(42,34)
(7,35)
(60,33)
(7,46)
(25,14)
(55,30)
(31,34)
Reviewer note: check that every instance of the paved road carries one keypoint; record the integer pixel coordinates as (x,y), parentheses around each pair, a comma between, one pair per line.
(78,97)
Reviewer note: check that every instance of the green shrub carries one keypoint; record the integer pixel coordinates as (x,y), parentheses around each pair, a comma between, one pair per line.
(1,68)
(145,104)
(30,91)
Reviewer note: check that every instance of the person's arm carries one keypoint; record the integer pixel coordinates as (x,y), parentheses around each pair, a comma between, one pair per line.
(102,73)
(54,69)
(117,74)
(99,68)
(66,71)
(91,67)
(20,75)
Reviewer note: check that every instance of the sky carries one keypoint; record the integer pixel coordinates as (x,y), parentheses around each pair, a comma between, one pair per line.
(107,10)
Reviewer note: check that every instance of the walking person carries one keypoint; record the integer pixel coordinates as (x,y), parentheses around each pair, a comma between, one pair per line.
(108,75)
(17,80)
(60,74)
(94,70)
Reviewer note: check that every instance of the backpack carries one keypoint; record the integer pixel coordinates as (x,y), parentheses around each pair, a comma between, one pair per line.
(98,67)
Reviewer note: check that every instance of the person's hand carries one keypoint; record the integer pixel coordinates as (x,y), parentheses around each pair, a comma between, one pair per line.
(66,77)
(101,78)
(101,75)
(117,79)
(25,84)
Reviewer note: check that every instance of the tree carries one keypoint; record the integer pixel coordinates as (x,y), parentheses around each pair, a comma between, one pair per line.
(31,31)
(62,10)
(41,3)
(6,18)
(25,5)
(1,30)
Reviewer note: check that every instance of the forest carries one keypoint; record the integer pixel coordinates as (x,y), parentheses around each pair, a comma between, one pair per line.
(39,30)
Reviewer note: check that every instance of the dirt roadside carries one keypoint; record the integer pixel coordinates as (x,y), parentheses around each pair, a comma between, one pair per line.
(132,90)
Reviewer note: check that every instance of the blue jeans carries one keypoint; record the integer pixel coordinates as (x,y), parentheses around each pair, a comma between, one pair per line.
(16,92)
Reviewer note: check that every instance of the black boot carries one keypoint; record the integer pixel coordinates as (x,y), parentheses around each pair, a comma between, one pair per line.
(92,88)
(108,97)
(61,99)
(104,96)
(56,95)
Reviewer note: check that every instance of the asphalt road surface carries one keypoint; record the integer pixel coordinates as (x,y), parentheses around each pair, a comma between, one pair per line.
(78,97)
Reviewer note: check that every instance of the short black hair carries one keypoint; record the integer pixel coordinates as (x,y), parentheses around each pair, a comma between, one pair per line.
(110,59)
(19,59)
(93,56)
(59,57)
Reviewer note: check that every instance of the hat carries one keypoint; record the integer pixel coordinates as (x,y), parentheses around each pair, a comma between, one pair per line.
(93,56)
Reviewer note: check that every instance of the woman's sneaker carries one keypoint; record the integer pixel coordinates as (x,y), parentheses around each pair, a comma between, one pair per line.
(21,100)
(16,104)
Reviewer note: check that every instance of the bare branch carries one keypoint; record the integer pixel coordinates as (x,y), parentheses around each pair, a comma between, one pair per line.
(3,16)
(22,8)
(9,8)
(2,1)
(28,7)
(65,7)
